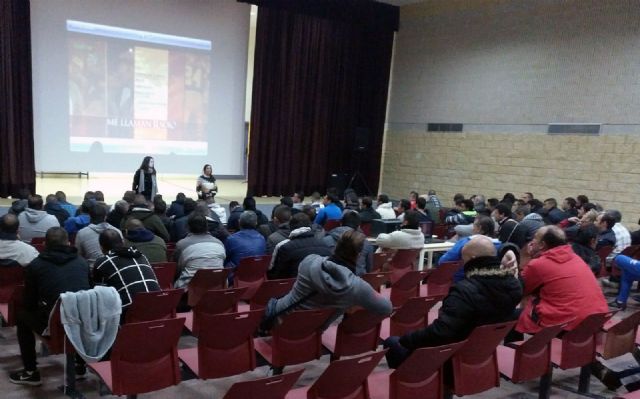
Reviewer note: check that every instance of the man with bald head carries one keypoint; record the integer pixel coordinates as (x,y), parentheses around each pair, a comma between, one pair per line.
(488,294)
(561,285)
(11,248)
(151,246)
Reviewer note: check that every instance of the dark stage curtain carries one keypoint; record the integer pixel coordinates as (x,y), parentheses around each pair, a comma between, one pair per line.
(321,77)
(16,110)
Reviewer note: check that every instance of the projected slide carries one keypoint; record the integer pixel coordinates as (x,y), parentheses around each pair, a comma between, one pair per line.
(134,91)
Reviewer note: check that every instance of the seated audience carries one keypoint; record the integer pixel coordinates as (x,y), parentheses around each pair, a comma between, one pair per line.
(152,247)
(530,220)
(150,220)
(62,200)
(246,242)
(433,199)
(217,210)
(581,200)
(179,228)
(551,213)
(409,236)
(606,236)
(316,200)
(235,210)
(87,239)
(561,286)
(56,270)
(160,209)
(52,207)
(34,222)
(198,250)
(81,219)
(302,242)
(20,204)
(318,231)
(569,207)
(421,208)
(463,213)
(509,230)
(11,248)
(331,210)
(281,218)
(176,209)
(119,212)
(630,272)
(351,200)
(488,294)
(584,246)
(367,213)
(623,237)
(403,206)
(298,202)
(385,207)
(328,281)
(351,222)
(124,268)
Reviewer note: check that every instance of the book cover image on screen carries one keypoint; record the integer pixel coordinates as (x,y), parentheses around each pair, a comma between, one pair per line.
(137,92)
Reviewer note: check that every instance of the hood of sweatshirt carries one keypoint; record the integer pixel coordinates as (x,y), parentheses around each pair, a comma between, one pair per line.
(126,252)
(140,235)
(99,228)
(332,278)
(59,255)
(34,216)
(561,254)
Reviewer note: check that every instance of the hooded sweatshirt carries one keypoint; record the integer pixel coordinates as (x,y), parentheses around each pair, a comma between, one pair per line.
(365,260)
(386,211)
(14,249)
(152,246)
(401,239)
(532,222)
(335,286)
(87,241)
(34,223)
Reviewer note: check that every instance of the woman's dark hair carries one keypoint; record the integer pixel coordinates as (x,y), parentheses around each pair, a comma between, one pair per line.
(145,164)
(509,197)
(204,168)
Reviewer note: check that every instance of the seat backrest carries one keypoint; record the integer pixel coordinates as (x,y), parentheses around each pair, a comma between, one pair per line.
(270,289)
(441,278)
(380,259)
(275,387)
(11,276)
(421,374)
(156,305)
(165,273)
(620,338)
(603,252)
(366,228)
(475,365)
(298,338)
(579,344)
(331,224)
(144,357)
(533,357)
(358,332)
(346,378)
(402,262)
(225,343)
(250,273)
(376,279)
(55,339)
(408,286)
(412,315)
(441,230)
(205,280)
(427,228)
(215,302)
(38,240)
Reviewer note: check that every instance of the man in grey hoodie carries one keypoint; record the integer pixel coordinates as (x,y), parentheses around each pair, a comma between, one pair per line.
(350,222)
(531,220)
(34,222)
(330,282)
(88,238)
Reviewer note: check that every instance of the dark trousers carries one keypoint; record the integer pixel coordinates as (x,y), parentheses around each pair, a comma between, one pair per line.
(28,322)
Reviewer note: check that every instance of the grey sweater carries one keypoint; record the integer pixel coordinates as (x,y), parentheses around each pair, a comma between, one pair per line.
(335,286)
(87,241)
(34,223)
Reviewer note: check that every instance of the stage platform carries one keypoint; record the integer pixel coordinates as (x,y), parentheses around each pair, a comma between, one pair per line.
(113,185)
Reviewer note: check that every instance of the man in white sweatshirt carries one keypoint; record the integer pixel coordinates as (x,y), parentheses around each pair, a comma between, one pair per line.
(11,248)
(34,222)
(385,208)
(410,236)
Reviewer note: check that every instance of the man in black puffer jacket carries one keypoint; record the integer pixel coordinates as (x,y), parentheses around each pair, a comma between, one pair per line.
(301,242)
(488,294)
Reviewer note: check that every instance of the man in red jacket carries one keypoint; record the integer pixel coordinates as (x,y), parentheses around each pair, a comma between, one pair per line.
(562,287)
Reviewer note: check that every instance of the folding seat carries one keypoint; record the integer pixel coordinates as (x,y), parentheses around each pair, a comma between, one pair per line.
(366,228)
(376,279)
(357,333)
(211,303)
(426,228)
(603,252)
(275,387)
(408,286)
(411,316)
(270,289)
(250,273)
(165,273)
(380,259)
(11,290)
(618,336)
(205,280)
(402,262)
(156,305)
(440,279)
(332,224)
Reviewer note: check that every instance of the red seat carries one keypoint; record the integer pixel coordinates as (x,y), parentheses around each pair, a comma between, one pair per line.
(143,359)
(603,252)
(380,259)
(619,336)
(250,273)
(376,279)
(211,303)
(475,365)
(157,305)
(357,333)
(170,253)
(275,387)
(426,228)
(165,273)
(408,286)
(413,315)
(577,348)
(440,279)
(402,262)
(366,228)
(419,376)
(630,395)
(345,378)
(38,240)
(56,342)
(205,280)
(298,339)
(11,291)
(225,345)
(270,289)
(441,230)
(527,360)
(331,224)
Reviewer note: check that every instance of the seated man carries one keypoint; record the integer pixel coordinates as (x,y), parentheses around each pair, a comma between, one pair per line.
(584,245)
(11,248)
(385,207)
(410,236)
(124,268)
(331,211)
(551,213)
(56,270)
(198,250)
(34,222)
(151,221)
(301,242)
(606,237)
(151,246)
(488,294)
(463,213)
(281,218)
(330,282)
(351,222)
(530,220)
(421,208)
(87,239)
(562,287)
(509,230)
(81,219)
(367,213)
(246,242)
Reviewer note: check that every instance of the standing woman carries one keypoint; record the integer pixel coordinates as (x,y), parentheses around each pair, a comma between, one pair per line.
(144,180)
(206,185)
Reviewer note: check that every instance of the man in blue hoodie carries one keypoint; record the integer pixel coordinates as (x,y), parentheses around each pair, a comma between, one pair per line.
(246,242)
(151,246)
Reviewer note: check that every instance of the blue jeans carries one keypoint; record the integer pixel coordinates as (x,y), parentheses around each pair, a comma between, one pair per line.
(630,273)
